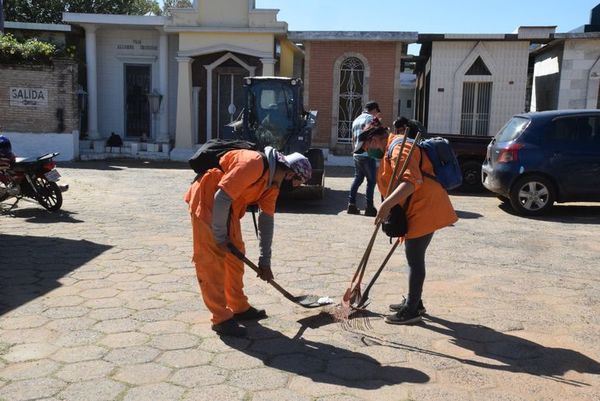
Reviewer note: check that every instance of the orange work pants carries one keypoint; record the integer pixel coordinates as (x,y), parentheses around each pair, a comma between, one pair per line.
(220,274)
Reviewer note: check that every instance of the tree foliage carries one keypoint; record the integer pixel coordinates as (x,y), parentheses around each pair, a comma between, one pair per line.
(50,11)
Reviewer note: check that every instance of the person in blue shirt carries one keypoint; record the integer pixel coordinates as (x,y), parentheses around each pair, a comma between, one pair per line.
(364,166)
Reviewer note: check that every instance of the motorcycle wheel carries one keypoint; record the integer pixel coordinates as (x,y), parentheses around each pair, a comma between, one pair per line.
(49,194)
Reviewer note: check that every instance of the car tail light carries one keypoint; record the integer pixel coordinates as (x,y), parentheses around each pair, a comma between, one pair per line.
(510,153)
(49,166)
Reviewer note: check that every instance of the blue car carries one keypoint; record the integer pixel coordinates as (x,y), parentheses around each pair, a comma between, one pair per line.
(540,158)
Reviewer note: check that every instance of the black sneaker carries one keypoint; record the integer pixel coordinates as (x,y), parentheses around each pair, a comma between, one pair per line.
(352,209)
(251,314)
(371,211)
(397,307)
(230,328)
(404,316)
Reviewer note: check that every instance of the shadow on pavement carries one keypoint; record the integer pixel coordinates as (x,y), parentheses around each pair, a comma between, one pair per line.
(573,214)
(42,216)
(323,363)
(467,215)
(30,267)
(333,202)
(120,164)
(514,354)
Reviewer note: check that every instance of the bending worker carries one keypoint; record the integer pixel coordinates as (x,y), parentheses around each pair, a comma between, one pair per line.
(217,201)
(427,208)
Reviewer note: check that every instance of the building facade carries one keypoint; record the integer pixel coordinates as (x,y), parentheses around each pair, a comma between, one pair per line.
(567,73)
(168,83)
(472,84)
(343,71)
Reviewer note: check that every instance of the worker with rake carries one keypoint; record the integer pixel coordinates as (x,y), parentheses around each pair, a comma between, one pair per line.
(217,201)
(425,202)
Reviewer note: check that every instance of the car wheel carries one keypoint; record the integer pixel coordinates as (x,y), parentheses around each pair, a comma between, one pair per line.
(532,195)
(471,172)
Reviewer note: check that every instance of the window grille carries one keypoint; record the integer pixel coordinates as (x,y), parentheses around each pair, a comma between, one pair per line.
(475,115)
(352,75)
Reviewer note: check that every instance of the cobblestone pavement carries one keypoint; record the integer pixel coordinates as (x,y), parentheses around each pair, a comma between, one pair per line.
(100,302)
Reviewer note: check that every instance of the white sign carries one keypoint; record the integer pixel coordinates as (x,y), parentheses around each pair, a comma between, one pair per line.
(35,97)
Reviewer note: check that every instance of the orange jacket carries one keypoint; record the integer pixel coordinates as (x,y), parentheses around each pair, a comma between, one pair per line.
(243,177)
(430,208)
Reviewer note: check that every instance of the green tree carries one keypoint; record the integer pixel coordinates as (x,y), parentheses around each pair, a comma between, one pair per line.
(50,11)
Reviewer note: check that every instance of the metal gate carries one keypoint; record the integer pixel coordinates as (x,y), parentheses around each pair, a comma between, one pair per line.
(230,100)
(137,113)
(352,74)
(475,115)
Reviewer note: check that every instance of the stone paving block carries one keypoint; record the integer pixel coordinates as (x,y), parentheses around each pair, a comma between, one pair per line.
(69,324)
(122,340)
(164,327)
(186,358)
(93,390)
(23,322)
(154,315)
(129,355)
(236,360)
(117,325)
(146,373)
(31,389)
(174,341)
(259,379)
(68,300)
(77,338)
(466,378)
(79,354)
(28,352)
(65,312)
(159,391)
(109,313)
(279,395)
(28,370)
(143,304)
(21,336)
(86,370)
(439,392)
(200,376)
(219,392)
(104,303)
(96,293)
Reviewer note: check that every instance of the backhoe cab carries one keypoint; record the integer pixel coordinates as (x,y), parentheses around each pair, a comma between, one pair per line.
(274,115)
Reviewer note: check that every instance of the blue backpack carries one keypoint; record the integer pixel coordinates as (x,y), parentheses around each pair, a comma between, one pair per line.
(445,164)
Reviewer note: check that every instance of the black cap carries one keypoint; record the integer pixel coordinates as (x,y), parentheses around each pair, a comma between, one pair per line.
(366,135)
(370,106)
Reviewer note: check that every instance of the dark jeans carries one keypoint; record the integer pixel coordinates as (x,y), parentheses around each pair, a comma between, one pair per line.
(364,167)
(415,256)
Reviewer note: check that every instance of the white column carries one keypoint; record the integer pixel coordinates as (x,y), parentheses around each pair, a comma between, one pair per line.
(183,134)
(92,86)
(163,77)
(268,66)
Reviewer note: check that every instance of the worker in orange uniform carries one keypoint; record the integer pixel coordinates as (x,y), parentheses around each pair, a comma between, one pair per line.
(427,206)
(217,201)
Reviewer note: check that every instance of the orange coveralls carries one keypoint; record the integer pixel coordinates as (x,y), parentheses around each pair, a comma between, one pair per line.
(220,274)
(430,208)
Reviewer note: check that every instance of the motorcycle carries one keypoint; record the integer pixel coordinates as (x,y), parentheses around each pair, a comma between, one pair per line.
(35,178)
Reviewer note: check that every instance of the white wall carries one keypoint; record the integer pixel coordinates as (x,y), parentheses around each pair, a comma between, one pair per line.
(576,86)
(546,80)
(111,71)
(507,60)
(35,144)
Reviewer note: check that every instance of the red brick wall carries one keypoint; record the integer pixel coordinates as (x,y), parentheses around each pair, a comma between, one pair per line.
(321,58)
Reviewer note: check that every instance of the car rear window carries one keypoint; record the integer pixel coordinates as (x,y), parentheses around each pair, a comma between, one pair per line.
(512,129)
